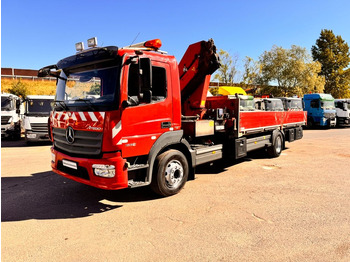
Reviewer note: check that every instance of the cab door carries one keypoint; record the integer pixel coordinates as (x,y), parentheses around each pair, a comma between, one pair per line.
(148,112)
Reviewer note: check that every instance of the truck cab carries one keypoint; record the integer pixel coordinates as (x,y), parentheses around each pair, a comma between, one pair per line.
(269,104)
(11,112)
(342,106)
(36,115)
(320,110)
(292,103)
(246,103)
(115,110)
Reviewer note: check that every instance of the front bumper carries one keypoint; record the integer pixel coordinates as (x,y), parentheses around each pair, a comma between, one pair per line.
(5,129)
(343,121)
(10,129)
(328,121)
(36,136)
(85,173)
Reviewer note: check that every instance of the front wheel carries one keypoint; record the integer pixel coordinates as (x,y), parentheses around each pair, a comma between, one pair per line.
(310,122)
(170,173)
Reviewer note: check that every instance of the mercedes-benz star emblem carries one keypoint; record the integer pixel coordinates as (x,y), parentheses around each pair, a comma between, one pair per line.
(70,135)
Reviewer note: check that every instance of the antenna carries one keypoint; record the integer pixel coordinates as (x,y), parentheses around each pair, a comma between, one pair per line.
(134,39)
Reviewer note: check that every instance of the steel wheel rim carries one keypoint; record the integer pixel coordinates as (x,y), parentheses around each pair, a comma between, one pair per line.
(174,173)
(278,145)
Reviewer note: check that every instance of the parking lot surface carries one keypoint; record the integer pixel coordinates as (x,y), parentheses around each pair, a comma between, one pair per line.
(292,208)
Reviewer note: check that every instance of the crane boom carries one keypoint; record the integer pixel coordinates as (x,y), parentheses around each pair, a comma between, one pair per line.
(198,63)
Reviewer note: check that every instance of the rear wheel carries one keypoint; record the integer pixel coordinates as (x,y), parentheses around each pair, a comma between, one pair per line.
(170,173)
(277,144)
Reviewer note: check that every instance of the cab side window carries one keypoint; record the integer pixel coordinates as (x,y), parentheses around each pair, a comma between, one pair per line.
(159,83)
(314,103)
(138,94)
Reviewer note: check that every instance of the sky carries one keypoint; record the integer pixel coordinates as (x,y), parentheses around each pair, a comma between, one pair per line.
(38,33)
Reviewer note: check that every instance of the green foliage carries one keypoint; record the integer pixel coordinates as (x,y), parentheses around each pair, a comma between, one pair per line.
(227,70)
(292,70)
(252,73)
(95,89)
(19,89)
(333,54)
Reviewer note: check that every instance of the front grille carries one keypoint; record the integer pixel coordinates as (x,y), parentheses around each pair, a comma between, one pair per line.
(329,115)
(39,127)
(86,143)
(81,172)
(5,119)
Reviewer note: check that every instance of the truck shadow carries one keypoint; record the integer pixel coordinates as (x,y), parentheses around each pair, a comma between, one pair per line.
(46,195)
(222,165)
(7,142)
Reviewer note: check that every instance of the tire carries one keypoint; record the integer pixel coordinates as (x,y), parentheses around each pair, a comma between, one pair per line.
(277,144)
(170,173)
(310,122)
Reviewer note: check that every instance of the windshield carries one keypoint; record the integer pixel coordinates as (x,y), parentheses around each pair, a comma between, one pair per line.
(294,104)
(88,89)
(38,106)
(246,105)
(7,104)
(274,105)
(344,105)
(327,104)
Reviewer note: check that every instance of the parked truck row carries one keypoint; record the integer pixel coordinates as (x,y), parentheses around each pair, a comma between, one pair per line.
(28,116)
(133,116)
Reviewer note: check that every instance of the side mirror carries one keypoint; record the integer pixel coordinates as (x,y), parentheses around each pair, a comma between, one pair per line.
(46,71)
(146,67)
(147,96)
(18,103)
(125,104)
(132,101)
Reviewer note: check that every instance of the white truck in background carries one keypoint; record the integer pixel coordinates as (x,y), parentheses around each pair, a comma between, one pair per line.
(11,112)
(37,111)
(342,107)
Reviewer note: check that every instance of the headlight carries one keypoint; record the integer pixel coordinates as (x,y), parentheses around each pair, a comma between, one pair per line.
(104,170)
(53,157)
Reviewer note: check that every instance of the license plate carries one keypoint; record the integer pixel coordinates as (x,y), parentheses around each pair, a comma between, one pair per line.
(69,164)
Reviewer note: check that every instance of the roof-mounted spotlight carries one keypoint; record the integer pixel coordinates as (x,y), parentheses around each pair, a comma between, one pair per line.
(92,42)
(79,46)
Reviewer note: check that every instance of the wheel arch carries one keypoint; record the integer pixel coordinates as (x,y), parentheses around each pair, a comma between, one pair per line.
(167,141)
(277,132)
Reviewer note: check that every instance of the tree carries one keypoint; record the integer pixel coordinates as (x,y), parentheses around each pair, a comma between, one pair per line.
(227,70)
(19,89)
(333,53)
(95,89)
(252,73)
(292,70)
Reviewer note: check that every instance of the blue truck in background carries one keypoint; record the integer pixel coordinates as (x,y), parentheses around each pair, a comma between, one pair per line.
(320,110)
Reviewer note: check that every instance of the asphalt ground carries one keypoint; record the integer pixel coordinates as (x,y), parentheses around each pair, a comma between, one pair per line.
(292,208)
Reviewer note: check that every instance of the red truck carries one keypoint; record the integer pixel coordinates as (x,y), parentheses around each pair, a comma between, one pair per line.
(131,116)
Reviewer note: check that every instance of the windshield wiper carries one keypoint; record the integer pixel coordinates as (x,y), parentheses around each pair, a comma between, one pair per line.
(62,104)
(38,113)
(87,102)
